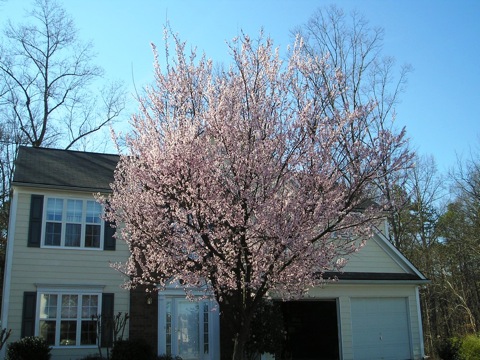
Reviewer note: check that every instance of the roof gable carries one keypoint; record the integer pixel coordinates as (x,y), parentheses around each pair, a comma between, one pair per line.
(64,169)
(380,260)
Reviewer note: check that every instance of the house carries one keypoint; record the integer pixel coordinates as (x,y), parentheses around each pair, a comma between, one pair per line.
(58,274)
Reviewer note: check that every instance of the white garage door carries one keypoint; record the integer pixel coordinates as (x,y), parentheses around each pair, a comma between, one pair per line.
(380,329)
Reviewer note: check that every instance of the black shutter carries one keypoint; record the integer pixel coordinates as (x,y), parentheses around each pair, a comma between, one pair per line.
(109,241)
(35,224)
(28,314)
(107,319)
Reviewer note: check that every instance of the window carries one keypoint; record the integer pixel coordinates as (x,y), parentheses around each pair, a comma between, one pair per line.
(74,223)
(66,319)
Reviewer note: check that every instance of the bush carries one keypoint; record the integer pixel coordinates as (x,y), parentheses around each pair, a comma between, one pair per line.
(29,348)
(132,349)
(470,348)
(465,348)
(168,357)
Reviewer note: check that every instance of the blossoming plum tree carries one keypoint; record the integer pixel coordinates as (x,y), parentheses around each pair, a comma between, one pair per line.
(244,179)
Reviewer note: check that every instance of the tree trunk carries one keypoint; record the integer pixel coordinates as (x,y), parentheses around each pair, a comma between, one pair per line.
(236,326)
(241,339)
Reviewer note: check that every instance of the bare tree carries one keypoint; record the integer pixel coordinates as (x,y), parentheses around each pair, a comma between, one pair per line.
(352,49)
(51,93)
(418,237)
(48,77)
(413,225)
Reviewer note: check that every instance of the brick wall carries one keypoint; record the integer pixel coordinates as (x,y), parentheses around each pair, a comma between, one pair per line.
(144,317)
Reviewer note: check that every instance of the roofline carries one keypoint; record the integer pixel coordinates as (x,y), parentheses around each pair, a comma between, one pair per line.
(373,278)
(60,187)
(69,150)
(381,282)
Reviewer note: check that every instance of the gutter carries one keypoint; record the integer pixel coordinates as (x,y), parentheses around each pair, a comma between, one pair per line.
(61,187)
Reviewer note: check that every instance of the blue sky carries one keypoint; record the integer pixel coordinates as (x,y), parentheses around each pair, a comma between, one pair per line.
(440,39)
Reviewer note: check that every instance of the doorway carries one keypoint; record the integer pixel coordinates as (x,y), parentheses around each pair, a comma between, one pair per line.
(312,330)
(188,329)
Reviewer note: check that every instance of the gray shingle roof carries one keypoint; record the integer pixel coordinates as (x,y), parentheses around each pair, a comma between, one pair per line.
(76,170)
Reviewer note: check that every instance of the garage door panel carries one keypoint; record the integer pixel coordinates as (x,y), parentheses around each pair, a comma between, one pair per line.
(380,328)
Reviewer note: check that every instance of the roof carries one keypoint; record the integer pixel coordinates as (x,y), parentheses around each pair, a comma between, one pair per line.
(64,169)
(373,276)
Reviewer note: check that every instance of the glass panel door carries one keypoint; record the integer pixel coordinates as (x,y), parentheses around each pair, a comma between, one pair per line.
(187,329)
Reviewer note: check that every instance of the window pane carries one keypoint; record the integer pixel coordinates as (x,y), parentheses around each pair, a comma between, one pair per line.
(187,330)
(206,348)
(168,327)
(54,209)
(53,234)
(69,306)
(92,236)
(73,233)
(89,306)
(68,333)
(74,210)
(89,333)
(47,331)
(48,306)
(75,326)
(94,212)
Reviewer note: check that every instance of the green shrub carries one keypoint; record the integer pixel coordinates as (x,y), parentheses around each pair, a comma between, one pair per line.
(470,348)
(464,348)
(168,357)
(132,349)
(29,348)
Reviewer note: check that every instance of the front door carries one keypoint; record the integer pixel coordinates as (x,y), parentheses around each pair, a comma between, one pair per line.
(187,328)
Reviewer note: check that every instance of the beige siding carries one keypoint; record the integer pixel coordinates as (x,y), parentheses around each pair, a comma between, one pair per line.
(37,267)
(373,258)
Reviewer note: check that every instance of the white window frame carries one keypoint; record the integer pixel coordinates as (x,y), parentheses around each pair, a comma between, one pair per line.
(64,223)
(59,292)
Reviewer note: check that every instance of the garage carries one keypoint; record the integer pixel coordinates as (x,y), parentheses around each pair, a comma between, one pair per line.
(380,329)
(312,330)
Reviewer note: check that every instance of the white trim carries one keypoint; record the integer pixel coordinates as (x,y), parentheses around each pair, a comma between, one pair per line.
(60,291)
(339,328)
(8,262)
(64,288)
(420,324)
(63,222)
